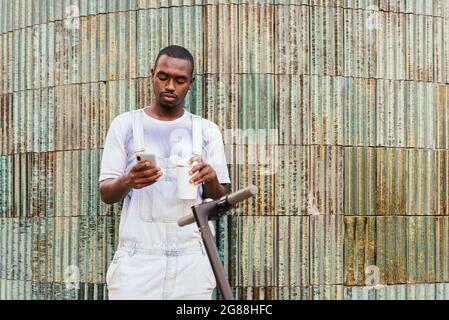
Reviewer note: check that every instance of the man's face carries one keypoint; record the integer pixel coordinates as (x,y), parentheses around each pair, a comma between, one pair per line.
(172,79)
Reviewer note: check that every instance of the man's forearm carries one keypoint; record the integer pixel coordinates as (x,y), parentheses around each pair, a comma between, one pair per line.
(213,190)
(114,190)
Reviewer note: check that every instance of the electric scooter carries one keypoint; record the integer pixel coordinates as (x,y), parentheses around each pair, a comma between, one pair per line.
(210,209)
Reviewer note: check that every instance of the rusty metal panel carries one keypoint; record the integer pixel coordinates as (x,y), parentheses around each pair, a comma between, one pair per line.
(86,56)
(15,60)
(7,10)
(336,110)
(359,106)
(438,8)
(59,53)
(17,10)
(27,120)
(429,48)
(9,66)
(256,293)
(292,182)
(359,248)
(121,97)
(50,10)
(91,48)
(256,96)
(360,182)
(442,241)
(28,62)
(378,251)
(256,251)
(360,293)
(391,112)
(420,185)
(325,172)
(442,183)
(441,116)
(58,9)
(446,48)
(256,38)
(2,63)
(414,53)
(419,265)
(292,47)
(353,38)
(293,293)
(221,23)
(293,252)
(326,249)
(420,7)
(441,291)
(326,40)
(326,113)
(2,21)
(185,26)
(292,93)
(220,104)
(393,48)
(248,172)
(21,57)
(327,292)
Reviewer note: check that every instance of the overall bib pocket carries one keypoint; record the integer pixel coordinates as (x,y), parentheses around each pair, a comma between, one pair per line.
(159,202)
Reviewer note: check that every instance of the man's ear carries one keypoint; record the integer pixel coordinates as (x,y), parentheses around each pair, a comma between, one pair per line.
(152,72)
(191,82)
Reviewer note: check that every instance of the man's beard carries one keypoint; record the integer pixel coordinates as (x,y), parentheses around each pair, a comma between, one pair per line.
(166,106)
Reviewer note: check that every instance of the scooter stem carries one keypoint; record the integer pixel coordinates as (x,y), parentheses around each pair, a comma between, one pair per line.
(202,213)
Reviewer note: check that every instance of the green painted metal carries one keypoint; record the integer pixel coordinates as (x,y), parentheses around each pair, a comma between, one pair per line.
(336,110)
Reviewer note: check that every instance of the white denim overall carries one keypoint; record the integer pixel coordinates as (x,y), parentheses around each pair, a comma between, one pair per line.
(163,260)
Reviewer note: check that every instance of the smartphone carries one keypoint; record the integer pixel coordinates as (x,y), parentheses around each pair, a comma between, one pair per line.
(147,157)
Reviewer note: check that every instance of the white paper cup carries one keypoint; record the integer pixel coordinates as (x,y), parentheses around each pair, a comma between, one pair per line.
(186,190)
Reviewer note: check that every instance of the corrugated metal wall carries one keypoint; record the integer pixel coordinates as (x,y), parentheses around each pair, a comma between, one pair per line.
(336,110)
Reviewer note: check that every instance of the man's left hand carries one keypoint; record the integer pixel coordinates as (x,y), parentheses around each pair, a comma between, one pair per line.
(204,172)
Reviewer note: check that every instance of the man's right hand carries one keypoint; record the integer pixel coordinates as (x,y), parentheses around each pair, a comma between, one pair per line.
(142,175)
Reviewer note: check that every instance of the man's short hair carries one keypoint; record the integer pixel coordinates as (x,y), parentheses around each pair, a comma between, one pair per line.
(175,51)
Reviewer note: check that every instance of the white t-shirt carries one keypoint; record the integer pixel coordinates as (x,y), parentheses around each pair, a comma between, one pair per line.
(167,139)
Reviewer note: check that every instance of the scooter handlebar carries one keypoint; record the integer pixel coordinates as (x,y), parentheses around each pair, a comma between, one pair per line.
(231,199)
(241,195)
(186,220)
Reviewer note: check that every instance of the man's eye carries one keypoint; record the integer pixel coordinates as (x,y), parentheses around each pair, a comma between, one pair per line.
(163,77)
(180,81)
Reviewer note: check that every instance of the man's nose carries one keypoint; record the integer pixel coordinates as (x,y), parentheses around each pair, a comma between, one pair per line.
(170,86)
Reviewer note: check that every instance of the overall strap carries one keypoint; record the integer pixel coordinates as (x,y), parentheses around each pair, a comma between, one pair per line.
(197,136)
(197,148)
(139,146)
